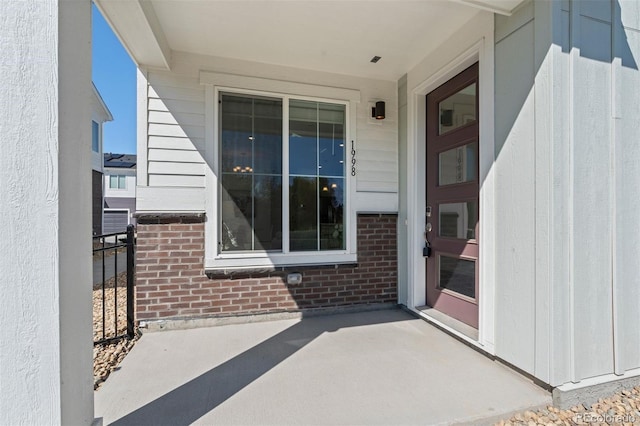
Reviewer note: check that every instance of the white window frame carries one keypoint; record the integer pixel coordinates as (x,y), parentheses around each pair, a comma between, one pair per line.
(232,84)
(96,125)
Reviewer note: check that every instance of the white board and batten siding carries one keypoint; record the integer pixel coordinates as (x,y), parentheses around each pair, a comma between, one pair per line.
(567,282)
(176,126)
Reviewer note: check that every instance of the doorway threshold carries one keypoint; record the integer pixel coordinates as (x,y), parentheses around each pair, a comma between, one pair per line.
(449,323)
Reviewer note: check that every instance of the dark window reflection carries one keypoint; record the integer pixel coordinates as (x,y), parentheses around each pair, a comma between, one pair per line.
(237,211)
(331,214)
(316,155)
(251,163)
(458,275)
(303,211)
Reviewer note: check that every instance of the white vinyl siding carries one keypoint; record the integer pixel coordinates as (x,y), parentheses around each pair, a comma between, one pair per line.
(176,126)
(176,132)
(376,158)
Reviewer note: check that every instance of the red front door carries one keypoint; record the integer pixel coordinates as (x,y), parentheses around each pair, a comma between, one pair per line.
(452,197)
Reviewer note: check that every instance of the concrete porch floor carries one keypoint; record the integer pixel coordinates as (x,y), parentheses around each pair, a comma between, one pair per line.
(376,367)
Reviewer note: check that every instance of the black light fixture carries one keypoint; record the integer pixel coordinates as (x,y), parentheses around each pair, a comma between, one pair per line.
(377,112)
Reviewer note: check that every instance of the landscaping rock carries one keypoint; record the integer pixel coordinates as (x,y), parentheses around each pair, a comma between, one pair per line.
(618,409)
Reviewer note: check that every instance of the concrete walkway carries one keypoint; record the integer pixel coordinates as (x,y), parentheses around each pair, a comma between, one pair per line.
(380,367)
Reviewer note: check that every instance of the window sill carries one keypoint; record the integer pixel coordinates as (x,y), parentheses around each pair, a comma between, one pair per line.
(277,263)
(236,273)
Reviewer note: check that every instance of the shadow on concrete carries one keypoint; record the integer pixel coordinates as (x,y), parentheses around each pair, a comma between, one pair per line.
(194,399)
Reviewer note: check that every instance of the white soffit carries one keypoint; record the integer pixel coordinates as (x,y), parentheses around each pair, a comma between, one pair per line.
(324,35)
(338,36)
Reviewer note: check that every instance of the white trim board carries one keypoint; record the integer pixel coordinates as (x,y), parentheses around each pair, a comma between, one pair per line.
(473,48)
(219,82)
(235,81)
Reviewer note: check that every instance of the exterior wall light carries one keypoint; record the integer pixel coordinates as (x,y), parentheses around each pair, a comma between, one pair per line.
(377,112)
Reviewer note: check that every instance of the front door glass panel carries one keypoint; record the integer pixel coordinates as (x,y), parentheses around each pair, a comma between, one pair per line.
(458,109)
(458,220)
(458,165)
(457,275)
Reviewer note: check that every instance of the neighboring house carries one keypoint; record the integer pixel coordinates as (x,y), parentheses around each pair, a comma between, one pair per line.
(119,192)
(507,137)
(99,115)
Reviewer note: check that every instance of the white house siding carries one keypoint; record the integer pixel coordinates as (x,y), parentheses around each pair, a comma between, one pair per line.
(567,282)
(176,128)
(626,184)
(130,183)
(514,170)
(45,202)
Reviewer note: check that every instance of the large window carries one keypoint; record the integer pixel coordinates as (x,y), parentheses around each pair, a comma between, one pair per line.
(282,181)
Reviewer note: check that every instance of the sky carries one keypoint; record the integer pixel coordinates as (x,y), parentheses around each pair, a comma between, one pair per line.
(114,74)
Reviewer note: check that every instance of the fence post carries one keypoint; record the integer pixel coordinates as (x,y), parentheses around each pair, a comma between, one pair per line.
(130,275)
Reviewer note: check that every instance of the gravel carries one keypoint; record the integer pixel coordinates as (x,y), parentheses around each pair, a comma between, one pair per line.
(622,408)
(107,356)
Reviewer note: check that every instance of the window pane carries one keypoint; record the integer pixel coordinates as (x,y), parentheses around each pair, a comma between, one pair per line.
(303,138)
(113,181)
(267,132)
(236,152)
(122,182)
(458,109)
(267,215)
(251,162)
(458,165)
(332,214)
(458,220)
(457,275)
(331,149)
(95,136)
(251,134)
(267,146)
(237,212)
(303,213)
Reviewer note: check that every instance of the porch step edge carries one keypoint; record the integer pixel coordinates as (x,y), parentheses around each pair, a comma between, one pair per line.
(184,323)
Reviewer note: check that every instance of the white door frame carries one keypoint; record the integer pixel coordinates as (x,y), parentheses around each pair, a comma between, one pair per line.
(479,50)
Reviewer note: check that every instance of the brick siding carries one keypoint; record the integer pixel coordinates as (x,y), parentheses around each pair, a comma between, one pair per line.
(171,280)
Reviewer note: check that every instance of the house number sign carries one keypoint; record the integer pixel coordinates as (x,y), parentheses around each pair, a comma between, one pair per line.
(353,159)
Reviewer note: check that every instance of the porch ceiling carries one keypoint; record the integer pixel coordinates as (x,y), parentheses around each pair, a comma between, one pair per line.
(326,35)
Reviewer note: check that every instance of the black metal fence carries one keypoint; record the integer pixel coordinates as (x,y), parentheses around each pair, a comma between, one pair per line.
(110,323)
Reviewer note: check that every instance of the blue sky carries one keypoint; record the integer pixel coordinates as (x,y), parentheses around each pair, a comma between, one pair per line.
(114,74)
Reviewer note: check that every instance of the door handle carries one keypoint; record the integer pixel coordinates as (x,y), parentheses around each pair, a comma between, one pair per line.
(426,251)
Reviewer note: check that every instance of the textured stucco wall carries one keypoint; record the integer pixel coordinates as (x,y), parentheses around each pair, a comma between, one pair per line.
(45,349)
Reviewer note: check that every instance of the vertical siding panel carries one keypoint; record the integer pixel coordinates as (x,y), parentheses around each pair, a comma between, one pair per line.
(591,227)
(627,182)
(543,90)
(515,198)
(560,369)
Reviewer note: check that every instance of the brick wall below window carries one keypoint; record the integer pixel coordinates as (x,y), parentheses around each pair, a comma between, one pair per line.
(171,280)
